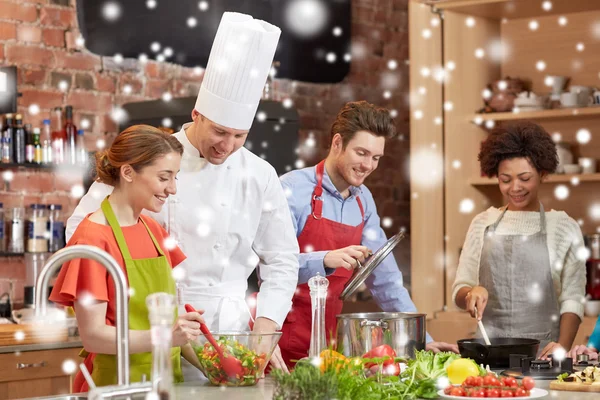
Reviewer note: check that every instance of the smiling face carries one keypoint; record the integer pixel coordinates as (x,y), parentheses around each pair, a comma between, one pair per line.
(360,157)
(151,185)
(216,142)
(519,182)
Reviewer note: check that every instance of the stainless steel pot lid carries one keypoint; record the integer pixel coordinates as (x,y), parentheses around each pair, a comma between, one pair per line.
(363,272)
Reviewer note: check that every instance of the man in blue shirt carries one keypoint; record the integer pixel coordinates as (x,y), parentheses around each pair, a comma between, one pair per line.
(336,223)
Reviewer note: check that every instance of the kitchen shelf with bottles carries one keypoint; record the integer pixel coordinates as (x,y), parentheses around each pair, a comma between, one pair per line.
(42,167)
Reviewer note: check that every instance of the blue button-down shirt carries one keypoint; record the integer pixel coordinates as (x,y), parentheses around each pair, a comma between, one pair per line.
(385,283)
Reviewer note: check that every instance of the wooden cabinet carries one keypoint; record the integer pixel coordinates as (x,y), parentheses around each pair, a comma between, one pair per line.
(457,48)
(36,373)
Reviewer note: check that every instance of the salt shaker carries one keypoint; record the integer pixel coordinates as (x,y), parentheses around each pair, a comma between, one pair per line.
(318,296)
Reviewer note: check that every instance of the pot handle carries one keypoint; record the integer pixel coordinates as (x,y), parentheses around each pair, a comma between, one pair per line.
(379,324)
(482,350)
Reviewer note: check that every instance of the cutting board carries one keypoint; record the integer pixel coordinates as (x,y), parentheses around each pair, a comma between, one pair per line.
(19,334)
(575,386)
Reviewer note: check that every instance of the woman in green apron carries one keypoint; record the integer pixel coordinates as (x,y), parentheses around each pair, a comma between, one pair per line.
(141,164)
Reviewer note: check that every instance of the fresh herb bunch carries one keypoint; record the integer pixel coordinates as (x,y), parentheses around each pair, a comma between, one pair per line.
(308,382)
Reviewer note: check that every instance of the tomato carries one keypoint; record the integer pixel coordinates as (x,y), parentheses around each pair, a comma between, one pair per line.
(380,351)
(477,381)
(469,381)
(392,370)
(492,393)
(528,383)
(478,392)
(506,393)
(490,380)
(511,382)
(520,392)
(448,389)
(457,391)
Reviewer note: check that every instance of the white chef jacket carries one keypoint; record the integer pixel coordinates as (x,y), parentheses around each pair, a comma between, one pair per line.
(228,219)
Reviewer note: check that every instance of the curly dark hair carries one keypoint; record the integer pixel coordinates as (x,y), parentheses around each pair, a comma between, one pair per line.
(521,139)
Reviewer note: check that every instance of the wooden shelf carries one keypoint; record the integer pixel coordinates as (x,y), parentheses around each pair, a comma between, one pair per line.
(513,9)
(556,178)
(4,254)
(561,113)
(26,166)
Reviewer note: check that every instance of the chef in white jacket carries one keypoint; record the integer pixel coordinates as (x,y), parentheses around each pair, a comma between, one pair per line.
(230,213)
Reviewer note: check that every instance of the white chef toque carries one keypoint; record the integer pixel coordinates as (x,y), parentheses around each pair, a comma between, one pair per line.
(237,69)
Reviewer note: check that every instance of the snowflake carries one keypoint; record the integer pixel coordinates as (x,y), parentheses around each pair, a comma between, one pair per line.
(466,206)
(69,367)
(583,136)
(203,5)
(470,22)
(306,18)
(111,11)
(561,192)
(34,109)
(192,22)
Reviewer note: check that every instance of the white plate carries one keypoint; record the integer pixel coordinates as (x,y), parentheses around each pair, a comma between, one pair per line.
(535,394)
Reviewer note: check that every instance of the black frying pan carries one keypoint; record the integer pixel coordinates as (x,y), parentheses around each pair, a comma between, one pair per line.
(497,355)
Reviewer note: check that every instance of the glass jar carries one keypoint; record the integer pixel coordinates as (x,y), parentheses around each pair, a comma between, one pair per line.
(161,313)
(37,223)
(15,230)
(56,228)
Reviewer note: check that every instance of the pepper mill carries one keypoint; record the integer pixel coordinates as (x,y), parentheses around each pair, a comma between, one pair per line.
(318,296)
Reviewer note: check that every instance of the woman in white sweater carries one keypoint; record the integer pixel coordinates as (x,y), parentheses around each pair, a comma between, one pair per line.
(521,266)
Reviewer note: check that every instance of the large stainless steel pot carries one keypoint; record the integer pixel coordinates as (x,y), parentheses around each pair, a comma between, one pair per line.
(360,332)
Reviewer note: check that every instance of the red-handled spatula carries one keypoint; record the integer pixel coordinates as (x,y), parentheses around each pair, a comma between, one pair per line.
(231,365)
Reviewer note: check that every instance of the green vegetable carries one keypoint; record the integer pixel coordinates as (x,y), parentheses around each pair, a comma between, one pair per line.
(307,382)
(427,365)
(562,377)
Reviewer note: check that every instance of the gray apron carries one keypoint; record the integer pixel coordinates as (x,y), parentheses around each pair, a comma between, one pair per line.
(516,271)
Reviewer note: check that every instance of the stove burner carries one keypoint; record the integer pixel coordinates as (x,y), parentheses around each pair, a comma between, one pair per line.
(521,366)
(540,364)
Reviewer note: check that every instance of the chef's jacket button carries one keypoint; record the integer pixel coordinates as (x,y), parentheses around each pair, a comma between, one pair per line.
(229,167)
(224,204)
(217,246)
(211,284)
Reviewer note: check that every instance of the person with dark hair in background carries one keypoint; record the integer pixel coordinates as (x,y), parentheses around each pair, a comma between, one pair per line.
(337,225)
(518,265)
(142,165)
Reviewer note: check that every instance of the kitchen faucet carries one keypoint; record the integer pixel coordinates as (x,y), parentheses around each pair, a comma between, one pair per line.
(115,271)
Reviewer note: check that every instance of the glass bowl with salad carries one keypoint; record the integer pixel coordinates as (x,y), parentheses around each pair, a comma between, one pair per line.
(252,349)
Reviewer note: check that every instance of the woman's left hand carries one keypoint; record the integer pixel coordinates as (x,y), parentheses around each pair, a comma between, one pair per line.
(550,349)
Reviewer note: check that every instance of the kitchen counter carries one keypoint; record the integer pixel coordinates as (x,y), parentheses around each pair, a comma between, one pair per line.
(264,390)
(70,343)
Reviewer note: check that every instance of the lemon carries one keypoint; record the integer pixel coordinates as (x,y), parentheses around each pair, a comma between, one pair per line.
(460,369)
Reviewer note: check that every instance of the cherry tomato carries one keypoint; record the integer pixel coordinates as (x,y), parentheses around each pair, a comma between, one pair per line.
(506,393)
(520,392)
(487,380)
(458,391)
(528,383)
(511,382)
(492,393)
(477,381)
(469,381)
(448,389)
(477,392)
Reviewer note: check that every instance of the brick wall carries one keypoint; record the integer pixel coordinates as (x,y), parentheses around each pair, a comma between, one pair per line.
(40,38)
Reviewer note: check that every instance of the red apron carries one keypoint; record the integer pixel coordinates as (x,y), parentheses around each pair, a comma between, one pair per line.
(319,234)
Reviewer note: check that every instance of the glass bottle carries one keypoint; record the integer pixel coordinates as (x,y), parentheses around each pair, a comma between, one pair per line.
(58,136)
(7,140)
(318,296)
(161,313)
(19,140)
(29,149)
(15,230)
(37,223)
(46,142)
(5,144)
(80,146)
(71,135)
(37,146)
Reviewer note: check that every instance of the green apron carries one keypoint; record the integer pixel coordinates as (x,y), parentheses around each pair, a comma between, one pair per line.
(146,276)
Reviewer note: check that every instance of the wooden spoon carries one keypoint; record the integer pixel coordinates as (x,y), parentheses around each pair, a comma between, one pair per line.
(230,364)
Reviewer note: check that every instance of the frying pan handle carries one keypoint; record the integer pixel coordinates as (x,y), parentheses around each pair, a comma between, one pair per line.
(482,350)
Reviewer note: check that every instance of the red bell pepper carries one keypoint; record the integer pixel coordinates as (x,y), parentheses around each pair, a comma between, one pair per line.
(384,351)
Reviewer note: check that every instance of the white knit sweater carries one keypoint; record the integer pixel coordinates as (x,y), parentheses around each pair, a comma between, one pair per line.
(564,239)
